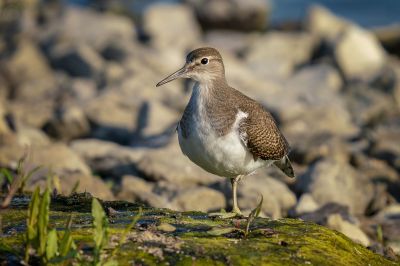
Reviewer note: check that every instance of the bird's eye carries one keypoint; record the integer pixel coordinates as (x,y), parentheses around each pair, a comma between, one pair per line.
(204,61)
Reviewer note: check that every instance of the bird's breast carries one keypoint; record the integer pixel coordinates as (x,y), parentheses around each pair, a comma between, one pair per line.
(221,155)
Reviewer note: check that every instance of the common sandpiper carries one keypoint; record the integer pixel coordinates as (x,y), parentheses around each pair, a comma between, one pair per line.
(222,130)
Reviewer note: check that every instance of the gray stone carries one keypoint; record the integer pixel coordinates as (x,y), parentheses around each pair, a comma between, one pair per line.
(80,25)
(199,199)
(21,111)
(359,55)
(78,60)
(233,14)
(334,181)
(335,221)
(367,105)
(278,198)
(157,165)
(56,158)
(385,140)
(107,158)
(315,105)
(324,24)
(27,69)
(167,23)
(306,204)
(31,137)
(275,55)
(82,89)
(86,183)
(68,123)
(136,189)
(124,117)
(4,128)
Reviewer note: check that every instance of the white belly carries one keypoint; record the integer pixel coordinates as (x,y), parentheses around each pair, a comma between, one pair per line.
(224,156)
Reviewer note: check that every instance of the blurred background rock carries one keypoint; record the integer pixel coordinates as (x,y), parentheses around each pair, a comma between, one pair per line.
(77,87)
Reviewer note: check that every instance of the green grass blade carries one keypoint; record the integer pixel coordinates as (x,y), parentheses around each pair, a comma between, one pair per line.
(52,245)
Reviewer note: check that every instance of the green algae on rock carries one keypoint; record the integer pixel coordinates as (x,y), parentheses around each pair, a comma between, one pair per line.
(270,242)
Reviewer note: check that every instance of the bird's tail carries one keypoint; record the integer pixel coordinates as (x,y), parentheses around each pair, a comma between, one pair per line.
(285,165)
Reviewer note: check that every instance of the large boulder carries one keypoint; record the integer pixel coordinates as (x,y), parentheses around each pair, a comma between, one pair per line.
(278,198)
(172,28)
(275,55)
(359,55)
(325,25)
(78,60)
(29,72)
(130,116)
(157,165)
(199,199)
(315,104)
(107,158)
(232,14)
(86,26)
(334,181)
(55,158)
(68,122)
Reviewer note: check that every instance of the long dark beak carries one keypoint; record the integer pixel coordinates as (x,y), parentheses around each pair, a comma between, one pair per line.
(173,76)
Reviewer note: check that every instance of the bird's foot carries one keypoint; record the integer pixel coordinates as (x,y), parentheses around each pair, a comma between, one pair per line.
(226,215)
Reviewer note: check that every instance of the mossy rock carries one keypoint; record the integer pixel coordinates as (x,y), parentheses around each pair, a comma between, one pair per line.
(165,237)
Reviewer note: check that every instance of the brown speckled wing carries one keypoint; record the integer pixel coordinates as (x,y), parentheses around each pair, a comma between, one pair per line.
(261,134)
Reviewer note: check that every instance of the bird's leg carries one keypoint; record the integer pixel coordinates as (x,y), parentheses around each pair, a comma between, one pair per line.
(235,211)
(234,182)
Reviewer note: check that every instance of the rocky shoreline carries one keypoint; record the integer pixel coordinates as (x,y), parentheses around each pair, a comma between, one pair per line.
(77,86)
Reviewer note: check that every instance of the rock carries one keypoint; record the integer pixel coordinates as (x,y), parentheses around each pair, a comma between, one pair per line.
(56,158)
(167,23)
(107,158)
(321,215)
(333,181)
(68,122)
(324,24)
(114,73)
(21,111)
(78,60)
(306,204)
(389,37)
(233,14)
(156,165)
(275,55)
(367,105)
(4,128)
(233,42)
(388,213)
(86,26)
(278,198)
(83,89)
(27,69)
(28,64)
(389,223)
(136,189)
(396,89)
(359,55)
(126,118)
(86,183)
(314,147)
(193,236)
(315,105)
(200,199)
(31,137)
(385,139)
(336,222)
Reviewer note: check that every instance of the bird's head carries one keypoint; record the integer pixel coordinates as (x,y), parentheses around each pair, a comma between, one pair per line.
(202,65)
